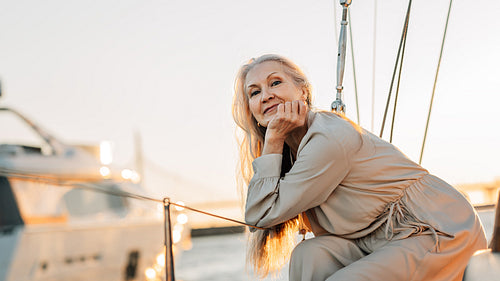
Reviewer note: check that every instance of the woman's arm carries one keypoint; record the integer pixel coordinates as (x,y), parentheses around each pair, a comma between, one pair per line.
(322,163)
(288,124)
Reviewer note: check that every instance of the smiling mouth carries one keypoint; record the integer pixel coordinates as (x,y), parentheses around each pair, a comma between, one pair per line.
(270,108)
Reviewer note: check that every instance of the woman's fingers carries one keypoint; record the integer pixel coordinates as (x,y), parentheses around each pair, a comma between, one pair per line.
(302,108)
(281,108)
(291,111)
(288,107)
(289,116)
(295,107)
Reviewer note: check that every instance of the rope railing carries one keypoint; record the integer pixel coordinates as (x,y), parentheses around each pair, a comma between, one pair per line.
(169,259)
(121,193)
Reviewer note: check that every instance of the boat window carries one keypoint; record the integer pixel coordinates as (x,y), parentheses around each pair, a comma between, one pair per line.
(85,202)
(21,138)
(9,213)
(39,202)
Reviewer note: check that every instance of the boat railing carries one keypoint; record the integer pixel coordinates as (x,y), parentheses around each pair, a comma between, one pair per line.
(168,243)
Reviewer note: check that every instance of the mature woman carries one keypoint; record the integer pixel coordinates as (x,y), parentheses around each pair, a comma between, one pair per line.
(375,214)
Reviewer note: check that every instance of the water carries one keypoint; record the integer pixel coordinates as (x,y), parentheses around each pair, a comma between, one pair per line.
(222,258)
(217,258)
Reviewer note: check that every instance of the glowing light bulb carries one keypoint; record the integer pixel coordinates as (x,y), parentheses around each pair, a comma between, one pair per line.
(160,259)
(176,236)
(105,171)
(150,273)
(127,174)
(182,218)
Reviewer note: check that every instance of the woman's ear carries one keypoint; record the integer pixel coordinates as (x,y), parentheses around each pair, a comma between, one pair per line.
(304,94)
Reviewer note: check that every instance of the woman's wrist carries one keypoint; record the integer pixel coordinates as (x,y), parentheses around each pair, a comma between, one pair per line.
(273,145)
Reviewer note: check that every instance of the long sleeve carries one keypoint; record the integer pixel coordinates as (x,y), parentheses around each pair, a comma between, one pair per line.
(322,163)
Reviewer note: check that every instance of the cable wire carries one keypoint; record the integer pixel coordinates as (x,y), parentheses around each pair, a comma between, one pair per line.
(403,35)
(94,187)
(397,89)
(353,66)
(434,86)
(374,60)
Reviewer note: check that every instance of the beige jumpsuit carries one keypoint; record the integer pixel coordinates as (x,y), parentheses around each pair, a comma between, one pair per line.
(376,215)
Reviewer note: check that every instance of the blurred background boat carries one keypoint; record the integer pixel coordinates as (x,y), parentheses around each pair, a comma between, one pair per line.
(66,213)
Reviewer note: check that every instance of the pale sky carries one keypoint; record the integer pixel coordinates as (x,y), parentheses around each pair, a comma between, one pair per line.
(101,70)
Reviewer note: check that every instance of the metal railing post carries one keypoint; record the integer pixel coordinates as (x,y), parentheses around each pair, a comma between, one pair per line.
(169,256)
(495,240)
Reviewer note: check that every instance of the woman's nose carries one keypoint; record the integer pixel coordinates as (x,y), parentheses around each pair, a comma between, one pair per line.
(267,95)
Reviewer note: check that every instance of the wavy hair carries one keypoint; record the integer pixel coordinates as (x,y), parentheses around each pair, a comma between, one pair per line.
(270,249)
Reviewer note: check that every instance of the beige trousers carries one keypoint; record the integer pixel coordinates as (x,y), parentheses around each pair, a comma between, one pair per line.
(333,258)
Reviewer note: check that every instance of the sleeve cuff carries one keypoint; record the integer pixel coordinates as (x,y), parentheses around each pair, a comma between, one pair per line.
(267,166)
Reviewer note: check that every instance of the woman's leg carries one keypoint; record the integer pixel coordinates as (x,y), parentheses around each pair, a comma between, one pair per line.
(317,258)
(413,259)
(396,261)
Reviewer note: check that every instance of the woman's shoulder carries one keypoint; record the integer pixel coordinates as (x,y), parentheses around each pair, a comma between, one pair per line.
(333,126)
(330,122)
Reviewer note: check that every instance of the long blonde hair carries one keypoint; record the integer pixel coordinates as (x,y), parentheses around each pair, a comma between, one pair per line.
(268,250)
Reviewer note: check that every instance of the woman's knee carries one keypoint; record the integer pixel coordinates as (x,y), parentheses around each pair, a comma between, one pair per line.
(311,260)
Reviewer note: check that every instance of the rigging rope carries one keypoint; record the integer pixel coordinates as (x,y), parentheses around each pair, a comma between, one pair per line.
(353,66)
(97,188)
(397,88)
(335,24)
(403,36)
(435,82)
(374,59)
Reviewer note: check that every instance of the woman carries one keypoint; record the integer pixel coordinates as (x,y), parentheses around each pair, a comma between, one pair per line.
(375,214)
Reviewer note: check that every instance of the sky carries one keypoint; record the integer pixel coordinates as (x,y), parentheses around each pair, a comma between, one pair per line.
(107,70)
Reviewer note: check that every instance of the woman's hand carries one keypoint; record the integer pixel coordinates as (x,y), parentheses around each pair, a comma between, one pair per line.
(289,117)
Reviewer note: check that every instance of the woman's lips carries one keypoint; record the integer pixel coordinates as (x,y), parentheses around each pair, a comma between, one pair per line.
(270,108)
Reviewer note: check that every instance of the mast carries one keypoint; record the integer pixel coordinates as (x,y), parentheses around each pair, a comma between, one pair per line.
(139,159)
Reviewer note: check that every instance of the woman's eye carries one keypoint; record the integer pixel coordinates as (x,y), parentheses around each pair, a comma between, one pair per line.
(275,83)
(255,92)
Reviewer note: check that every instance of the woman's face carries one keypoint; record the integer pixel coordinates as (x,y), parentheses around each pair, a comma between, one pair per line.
(267,85)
